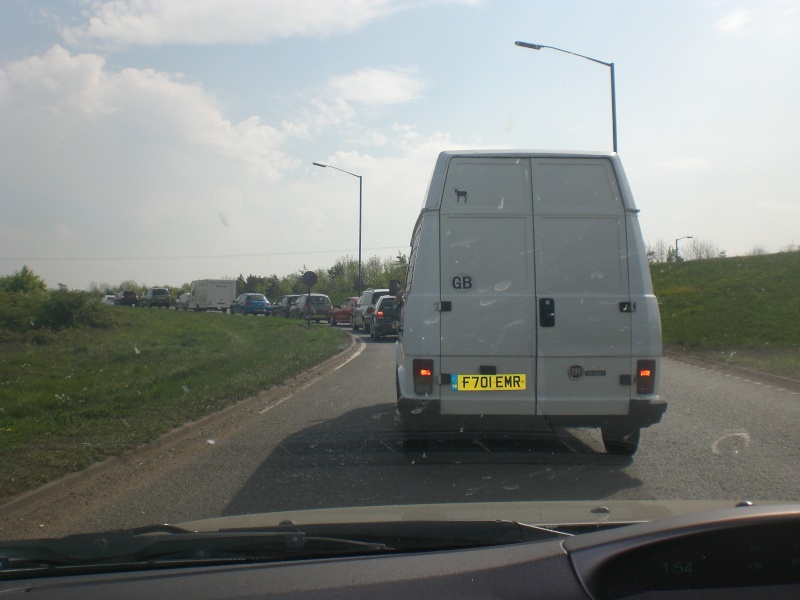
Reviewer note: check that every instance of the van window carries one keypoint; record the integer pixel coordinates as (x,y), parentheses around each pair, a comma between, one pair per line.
(483,185)
(579,227)
(571,187)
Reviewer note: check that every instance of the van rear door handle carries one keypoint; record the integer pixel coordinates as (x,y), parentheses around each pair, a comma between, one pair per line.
(547,312)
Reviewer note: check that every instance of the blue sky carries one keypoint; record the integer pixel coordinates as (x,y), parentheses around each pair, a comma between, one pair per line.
(170,140)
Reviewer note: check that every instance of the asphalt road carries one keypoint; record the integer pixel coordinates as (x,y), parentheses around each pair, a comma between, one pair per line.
(332,442)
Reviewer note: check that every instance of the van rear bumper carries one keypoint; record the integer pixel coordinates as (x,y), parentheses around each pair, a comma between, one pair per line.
(641,413)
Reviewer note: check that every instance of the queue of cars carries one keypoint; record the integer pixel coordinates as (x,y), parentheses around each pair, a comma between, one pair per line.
(374,311)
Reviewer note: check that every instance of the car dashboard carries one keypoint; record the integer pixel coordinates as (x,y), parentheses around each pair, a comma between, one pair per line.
(742,552)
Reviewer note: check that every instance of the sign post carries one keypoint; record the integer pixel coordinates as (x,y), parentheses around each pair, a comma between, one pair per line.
(309,278)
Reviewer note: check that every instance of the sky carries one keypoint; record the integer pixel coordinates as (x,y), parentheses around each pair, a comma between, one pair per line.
(163,141)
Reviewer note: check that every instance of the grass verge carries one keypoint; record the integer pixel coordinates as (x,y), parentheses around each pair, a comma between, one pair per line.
(741,310)
(88,394)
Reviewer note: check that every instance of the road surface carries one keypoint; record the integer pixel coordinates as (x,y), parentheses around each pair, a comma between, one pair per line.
(330,440)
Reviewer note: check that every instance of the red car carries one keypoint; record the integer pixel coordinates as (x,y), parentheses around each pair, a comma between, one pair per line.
(342,312)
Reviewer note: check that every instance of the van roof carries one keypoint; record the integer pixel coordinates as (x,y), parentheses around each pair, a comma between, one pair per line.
(506,152)
(436,185)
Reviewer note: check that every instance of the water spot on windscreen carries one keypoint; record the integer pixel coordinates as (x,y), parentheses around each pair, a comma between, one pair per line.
(731,444)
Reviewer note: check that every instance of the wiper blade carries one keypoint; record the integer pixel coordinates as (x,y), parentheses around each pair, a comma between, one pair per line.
(169,544)
(161,545)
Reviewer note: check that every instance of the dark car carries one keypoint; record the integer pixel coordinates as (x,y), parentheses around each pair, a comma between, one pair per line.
(158,297)
(282,306)
(384,319)
(315,307)
(362,315)
(127,298)
(342,312)
(251,303)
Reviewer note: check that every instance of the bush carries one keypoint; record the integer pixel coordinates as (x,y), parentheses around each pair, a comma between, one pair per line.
(61,309)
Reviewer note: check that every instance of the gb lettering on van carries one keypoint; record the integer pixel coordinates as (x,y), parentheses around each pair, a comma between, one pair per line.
(462,283)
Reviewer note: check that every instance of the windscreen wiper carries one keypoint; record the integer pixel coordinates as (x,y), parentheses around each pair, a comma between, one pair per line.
(168,545)
(162,545)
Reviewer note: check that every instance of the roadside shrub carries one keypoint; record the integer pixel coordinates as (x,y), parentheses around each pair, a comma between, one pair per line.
(63,309)
(22,313)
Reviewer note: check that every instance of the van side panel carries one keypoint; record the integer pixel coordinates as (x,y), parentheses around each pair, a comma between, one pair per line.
(419,320)
(646,320)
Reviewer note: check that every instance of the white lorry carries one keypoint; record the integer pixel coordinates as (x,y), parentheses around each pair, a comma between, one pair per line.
(528,301)
(212,294)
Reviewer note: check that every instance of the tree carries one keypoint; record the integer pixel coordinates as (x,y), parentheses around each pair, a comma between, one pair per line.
(698,249)
(672,255)
(24,281)
(657,253)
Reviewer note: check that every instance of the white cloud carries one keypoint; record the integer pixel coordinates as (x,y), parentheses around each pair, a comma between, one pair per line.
(110,162)
(151,22)
(75,101)
(734,21)
(318,115)
(377,86)
(139,164)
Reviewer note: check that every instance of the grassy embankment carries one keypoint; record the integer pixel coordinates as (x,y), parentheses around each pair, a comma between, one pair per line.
(87,394)
(742,310)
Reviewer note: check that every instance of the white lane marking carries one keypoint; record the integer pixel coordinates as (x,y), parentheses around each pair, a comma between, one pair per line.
(361,347)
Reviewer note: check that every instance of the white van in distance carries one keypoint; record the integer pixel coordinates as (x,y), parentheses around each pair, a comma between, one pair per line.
(212,294)
(528,300)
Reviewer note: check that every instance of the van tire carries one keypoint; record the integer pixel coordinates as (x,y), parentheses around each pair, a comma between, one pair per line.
(620,444)
(353,324)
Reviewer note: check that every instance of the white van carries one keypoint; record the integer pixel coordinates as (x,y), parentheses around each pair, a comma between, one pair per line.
(212,294)
(528,300)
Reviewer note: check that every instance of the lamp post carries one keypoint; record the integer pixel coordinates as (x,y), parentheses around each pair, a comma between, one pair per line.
(613,86)
(686,237)
(316,164)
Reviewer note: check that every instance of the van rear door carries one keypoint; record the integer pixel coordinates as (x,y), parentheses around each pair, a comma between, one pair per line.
(584,340)
(487,303)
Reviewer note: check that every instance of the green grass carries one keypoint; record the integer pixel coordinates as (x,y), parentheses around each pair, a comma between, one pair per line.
(740,310)
(88,394)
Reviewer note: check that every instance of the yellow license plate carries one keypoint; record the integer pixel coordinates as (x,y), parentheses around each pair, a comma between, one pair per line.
(486,383)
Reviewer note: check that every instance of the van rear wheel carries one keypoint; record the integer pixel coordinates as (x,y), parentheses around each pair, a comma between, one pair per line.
(620,444)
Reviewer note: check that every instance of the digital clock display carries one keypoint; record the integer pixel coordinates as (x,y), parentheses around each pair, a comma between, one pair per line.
(742,557)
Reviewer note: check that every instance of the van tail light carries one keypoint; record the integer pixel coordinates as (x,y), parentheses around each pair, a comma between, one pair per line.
(423,375)
(645,376)
(379,314)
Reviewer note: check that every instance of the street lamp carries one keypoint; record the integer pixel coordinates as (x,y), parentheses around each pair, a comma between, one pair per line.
(316,164)
(613,91)
(686,237)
